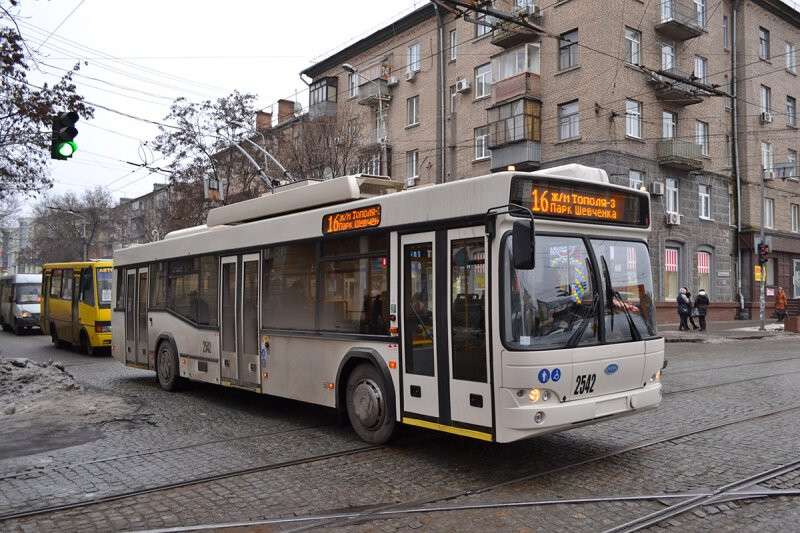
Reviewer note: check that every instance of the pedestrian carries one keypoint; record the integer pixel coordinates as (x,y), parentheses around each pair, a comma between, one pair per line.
(780,304)
(692,310)
(701,305)
(684,308)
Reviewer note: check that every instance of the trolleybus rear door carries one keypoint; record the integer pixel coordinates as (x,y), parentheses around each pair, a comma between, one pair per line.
(470,391)
(417,316)
(229,319)
(248,333)
(141,317)
(130,316)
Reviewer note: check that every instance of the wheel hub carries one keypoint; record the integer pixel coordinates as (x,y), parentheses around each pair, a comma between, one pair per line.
(368,403)
(164,366)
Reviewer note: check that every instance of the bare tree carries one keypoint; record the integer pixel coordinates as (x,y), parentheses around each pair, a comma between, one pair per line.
(26,112)
(9,207)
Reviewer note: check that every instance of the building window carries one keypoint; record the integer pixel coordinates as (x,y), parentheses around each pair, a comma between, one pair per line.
(791,111)
(453,98)
(453,45)
(701,68)
(791,58)
(769,213)
(483,24)
(323,90)
(725,32)
(483,80)
(635,179)
(704,271)
(671,273)
(667,56)
(412,170)
(669,125)
(568,50)
(633,119)
(705,201)
(767,157)
(673,195)
(412,111)
(700,12)
(763,43)
(633,46)
(352,84)
(702,137)
(520,120)
(795,208)
(525,58)
(771,267)
(569,125)
(414,60)
(482,143)
(791,163)
(766,99)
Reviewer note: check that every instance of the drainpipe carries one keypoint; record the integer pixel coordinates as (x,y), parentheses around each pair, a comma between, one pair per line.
(440,110)
(735,155)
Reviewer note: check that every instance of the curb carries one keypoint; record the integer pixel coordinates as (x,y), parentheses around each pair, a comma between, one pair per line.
(702,340)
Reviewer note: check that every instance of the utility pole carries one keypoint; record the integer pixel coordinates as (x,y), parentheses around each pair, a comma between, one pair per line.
(762,291)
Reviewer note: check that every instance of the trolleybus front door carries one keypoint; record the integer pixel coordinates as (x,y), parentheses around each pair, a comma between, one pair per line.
(239,301)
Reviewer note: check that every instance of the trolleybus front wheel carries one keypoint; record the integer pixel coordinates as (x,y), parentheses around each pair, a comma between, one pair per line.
(167,367)
(368,405)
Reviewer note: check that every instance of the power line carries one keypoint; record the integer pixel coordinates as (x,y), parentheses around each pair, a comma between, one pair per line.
(74,9)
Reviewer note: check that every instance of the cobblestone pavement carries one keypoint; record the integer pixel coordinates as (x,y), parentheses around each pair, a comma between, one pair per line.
(207,431)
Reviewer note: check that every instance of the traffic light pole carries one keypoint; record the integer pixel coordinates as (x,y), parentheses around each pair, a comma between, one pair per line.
(762,291)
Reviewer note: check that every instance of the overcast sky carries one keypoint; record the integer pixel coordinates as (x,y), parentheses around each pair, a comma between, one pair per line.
(196,48)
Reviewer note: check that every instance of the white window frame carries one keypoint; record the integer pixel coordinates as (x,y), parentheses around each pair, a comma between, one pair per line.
(414,63)
(702,137)
(352,84)
(569,123)
(791,111)
(453,45)
(482,24)
(633,119)
(764,44)
(673,196)
(453,98)
(791,57)
(412,165)
(794,210)
(767,156)
(568,50)
(633,46)
(700,12)
(769,213)
(791,160)
(635,179)
(483,80)
(525,58)
(726,42)
(704,198)
(701,68)
(482,151)
(669,125)
(667,56)
(765,98)
(412,111)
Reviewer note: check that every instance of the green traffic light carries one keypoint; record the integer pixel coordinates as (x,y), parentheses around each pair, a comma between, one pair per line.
(67,149)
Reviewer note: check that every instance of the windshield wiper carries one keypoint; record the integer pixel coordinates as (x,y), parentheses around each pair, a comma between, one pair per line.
(612,293)
(578,335)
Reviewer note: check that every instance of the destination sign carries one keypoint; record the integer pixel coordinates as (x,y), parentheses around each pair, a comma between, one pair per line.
(587,202)
(352,220)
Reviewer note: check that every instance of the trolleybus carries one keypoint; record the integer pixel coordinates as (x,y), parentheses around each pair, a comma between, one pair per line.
(443,307)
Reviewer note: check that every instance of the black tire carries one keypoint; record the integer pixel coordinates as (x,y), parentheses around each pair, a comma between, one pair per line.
(54,336)
(167,370)
(18,330)
(370,405)
(85,346)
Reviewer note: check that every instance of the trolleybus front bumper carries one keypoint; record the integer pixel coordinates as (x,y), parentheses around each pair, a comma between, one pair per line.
(523,421)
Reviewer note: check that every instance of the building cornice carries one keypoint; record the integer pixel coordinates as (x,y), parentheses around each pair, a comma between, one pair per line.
(782,9)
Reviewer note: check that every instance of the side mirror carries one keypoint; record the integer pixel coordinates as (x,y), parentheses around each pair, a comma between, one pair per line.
(524,245)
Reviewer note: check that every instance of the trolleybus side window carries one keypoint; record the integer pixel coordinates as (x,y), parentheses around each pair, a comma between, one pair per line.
(158,285)
(355,297)
(554,305)
(55,283)
(66,285)
(289,286)
(192,289)
(468,293)
(628,289)
(87,287)
(418,324)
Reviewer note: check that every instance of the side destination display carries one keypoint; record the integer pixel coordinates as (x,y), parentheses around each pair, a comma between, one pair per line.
(584,202)
(352,220)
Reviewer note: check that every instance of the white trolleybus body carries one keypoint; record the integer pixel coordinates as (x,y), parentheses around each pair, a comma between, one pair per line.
(416,307)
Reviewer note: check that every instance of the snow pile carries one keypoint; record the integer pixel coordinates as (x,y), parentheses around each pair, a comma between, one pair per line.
(21,378)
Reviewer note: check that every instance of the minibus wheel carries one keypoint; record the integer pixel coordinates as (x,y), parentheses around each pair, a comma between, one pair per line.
(85,346)
(167,367)
(368,403)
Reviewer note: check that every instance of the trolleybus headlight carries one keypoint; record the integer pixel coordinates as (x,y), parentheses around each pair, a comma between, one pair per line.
(655,378)
(534,395)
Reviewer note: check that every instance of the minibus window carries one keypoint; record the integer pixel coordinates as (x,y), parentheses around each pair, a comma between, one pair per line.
(104,287)
(28,293)
(55,284)
(87,287)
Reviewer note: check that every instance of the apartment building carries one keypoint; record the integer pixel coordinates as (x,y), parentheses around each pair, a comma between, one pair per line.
(14,241)
(631,87)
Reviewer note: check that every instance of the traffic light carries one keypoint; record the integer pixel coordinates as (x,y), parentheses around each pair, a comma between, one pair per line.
(62,145)
(763,253)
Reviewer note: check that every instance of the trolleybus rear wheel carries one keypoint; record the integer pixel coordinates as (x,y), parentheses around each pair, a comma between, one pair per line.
(368,403)
(167,367)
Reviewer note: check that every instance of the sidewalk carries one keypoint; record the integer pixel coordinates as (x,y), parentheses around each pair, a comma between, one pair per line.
(725,331)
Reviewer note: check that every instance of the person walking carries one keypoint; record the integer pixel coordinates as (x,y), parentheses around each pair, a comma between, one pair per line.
(684,308)
(692,310)
(701,305)
(780,304)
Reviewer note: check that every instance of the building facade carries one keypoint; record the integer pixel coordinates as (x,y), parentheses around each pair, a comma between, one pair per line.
(14,241)
(447,96)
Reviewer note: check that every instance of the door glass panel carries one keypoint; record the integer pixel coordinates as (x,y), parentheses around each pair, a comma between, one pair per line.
(468,301)
(228,307)
(130,309)
(418,308)
(250,307)
(142,308)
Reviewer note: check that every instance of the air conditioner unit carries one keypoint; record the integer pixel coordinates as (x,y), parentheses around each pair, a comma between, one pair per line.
(673,219)
(462,85)
(769,174)
(657,188)
(392,81)
(766,117)
(410,75)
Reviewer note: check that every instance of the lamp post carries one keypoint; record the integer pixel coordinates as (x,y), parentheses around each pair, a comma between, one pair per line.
(382,140)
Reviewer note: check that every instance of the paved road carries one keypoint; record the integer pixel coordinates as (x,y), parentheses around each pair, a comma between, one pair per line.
(717,390)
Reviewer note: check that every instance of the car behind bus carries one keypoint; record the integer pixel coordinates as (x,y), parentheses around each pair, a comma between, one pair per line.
(19,302)
(76,306)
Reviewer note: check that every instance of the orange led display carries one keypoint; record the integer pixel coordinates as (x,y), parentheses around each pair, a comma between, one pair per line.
(352,220)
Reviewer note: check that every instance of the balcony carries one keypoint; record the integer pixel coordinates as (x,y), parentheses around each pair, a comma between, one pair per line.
(522,85)
(680,19)
(322,109)
(676,92)
(525,155)
(786,171)
(373,92)
(507,34)
(679,154)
